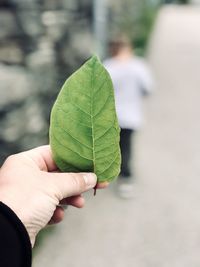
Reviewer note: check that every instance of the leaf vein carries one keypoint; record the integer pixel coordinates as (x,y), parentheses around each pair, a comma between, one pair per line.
(101,86)
(113,152)
(82,110)
(59,108)
(79,83)
(70,149)
(110,144)
(68,133)
(109,165)
(107,130)
(101,109)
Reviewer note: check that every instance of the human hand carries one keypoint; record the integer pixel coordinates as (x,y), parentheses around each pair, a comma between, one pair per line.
(32,187)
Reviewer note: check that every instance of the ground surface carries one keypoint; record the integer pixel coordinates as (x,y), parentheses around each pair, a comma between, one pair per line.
(160,226)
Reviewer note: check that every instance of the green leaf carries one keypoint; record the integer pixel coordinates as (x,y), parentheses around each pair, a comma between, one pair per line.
(84,131)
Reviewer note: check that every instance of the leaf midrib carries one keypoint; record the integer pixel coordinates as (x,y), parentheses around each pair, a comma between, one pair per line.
(92,117)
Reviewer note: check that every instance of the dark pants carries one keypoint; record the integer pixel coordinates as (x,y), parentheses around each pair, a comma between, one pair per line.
(126,139)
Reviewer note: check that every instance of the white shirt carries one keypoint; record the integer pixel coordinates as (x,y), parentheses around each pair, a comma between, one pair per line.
(131,80)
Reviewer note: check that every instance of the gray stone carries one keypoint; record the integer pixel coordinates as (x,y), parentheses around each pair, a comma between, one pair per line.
(8,25)
(11,53)
(30,22)
(41,44)
(15,86)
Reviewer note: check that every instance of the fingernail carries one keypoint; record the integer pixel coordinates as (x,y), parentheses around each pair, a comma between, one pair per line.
(90,179)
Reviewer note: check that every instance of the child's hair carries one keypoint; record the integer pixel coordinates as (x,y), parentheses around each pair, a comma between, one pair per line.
(117,43)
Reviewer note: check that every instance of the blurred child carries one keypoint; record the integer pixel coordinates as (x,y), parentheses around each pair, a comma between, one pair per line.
(132,81)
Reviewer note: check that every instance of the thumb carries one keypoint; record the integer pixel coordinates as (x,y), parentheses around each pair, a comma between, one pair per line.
(72,184)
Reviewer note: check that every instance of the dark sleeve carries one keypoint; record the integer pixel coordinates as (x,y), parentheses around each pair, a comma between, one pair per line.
(15,246)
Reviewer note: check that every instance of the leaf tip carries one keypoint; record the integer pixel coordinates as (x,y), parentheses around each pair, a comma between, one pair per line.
(95,58)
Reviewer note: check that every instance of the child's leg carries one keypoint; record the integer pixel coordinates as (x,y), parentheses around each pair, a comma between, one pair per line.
(126,146)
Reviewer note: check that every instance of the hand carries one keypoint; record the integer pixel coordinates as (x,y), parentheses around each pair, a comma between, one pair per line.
(31,187)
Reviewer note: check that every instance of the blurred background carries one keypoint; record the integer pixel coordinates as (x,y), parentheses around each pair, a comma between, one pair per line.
(41,44)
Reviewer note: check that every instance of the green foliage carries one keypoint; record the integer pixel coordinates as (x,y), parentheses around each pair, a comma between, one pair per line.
(135,18)
(143,27)
(84,132)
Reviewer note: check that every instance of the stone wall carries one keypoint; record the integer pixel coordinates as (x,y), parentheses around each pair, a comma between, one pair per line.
(41,44)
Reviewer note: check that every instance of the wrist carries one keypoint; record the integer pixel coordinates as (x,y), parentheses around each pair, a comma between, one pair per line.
(19,233)
(11,204)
